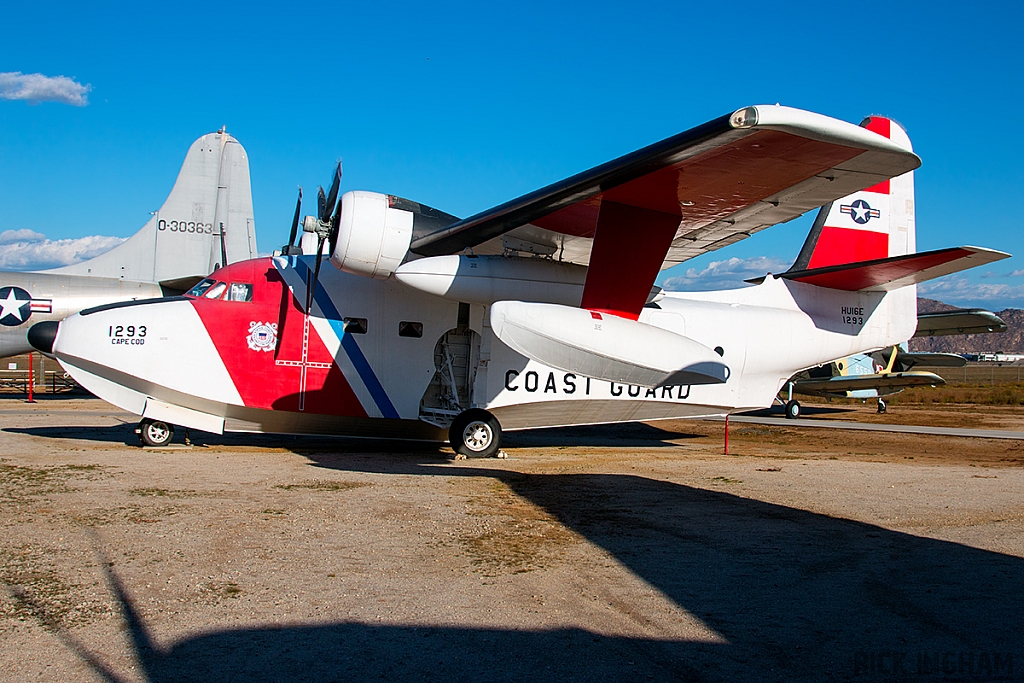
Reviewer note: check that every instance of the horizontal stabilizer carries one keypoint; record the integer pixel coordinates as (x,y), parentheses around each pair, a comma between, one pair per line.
(885,383)
(963,321)
(887,274)
(605,347)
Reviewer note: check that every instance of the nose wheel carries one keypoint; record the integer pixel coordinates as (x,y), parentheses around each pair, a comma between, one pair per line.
(155,433)
(792,410)
(881,406)
(475,433)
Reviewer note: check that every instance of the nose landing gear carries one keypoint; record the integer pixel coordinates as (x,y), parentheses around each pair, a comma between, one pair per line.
(792,410)
(154,433)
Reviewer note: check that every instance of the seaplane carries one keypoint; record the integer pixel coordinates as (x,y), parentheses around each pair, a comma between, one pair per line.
(542,311)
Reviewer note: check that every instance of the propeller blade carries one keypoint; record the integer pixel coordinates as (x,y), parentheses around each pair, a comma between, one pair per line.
(295,220)
(321,204)
(332,195)
(311,287)
(335,226)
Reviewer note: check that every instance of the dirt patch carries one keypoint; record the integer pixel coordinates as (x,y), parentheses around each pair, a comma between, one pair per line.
(513,534)
(38,592)
(20,483)
(322,486)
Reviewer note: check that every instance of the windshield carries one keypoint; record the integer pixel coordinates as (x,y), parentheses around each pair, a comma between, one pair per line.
(199,289)
(215,291)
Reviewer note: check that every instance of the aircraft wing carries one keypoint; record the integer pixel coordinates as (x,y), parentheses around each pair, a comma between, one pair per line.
(963,321)
(696,192)
(935,360)
(884,383)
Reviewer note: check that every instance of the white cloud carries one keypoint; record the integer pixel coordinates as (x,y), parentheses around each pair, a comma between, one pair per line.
(960,291)
(36,88)
(727,274)
(20,236)
(1016,273)
(29,250)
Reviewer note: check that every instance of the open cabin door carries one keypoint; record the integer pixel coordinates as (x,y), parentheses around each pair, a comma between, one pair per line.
(456,360)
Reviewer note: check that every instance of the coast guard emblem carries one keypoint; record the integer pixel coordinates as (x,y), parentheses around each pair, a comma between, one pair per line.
(262,336)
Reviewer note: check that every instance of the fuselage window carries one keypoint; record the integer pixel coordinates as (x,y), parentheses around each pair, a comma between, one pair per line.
(240,292)
(215,291)
(410,329)
(201,288)
(355,325)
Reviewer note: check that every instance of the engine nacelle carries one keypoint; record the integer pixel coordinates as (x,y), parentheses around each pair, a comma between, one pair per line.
(373,236)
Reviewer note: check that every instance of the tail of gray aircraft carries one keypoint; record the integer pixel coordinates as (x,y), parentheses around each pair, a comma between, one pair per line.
(206,222)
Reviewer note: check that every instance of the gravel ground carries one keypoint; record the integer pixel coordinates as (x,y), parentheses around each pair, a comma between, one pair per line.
(629,553)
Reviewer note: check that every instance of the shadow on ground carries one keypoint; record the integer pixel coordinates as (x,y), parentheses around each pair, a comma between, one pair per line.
(794,595)
(633,434)
(122,433)
(620,435)
(806,410)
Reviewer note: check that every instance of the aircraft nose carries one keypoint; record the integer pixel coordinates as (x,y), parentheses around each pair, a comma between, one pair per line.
(42,335)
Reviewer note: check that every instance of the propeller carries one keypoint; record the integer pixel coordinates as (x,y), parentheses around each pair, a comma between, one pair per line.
(325,226)
(292,247)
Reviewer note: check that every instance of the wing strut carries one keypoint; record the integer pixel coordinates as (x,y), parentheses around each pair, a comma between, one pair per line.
(629,247)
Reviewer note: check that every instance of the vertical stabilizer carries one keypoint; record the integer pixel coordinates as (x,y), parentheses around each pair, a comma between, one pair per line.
(207,221)
(875,223)
(871,224)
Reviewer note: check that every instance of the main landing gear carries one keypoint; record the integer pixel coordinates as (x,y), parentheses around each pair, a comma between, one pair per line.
(154,433)
(881,406)
(475,433)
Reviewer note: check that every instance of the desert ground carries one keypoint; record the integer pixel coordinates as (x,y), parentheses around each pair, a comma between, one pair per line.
(633,552)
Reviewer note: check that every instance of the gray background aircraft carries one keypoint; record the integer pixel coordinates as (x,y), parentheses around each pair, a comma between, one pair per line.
(206,222)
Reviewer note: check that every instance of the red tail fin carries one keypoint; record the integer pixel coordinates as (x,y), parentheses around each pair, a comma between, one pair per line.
(871,224)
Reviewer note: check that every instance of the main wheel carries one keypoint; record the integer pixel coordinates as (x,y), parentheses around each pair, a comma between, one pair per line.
(475,433)
(792,410)
(155,433)
(881,406)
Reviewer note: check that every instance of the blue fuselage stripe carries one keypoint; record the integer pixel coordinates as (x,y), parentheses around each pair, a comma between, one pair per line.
(348,343)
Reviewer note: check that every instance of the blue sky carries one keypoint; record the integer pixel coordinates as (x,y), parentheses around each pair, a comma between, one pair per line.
(463,106)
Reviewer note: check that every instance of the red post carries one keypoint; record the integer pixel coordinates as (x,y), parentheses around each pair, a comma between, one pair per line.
(727,434)
(31,380)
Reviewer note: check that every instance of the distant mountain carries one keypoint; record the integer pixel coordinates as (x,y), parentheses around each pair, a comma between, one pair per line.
(1011,341)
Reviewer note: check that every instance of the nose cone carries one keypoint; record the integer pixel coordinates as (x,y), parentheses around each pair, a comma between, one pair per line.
(42,335)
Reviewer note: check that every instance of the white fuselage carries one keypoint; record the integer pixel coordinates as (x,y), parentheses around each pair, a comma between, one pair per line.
(201,355)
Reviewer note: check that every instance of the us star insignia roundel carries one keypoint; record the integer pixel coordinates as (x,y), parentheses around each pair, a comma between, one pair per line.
(860,211)
(262,336)
(16,306)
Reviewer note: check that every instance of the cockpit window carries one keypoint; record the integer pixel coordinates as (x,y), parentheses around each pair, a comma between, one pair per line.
(240,292)
(199,289)
(215,291)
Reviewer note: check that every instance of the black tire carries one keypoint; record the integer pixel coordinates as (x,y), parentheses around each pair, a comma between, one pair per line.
(475,433)
(155,433)
(792,410)
(882,407)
